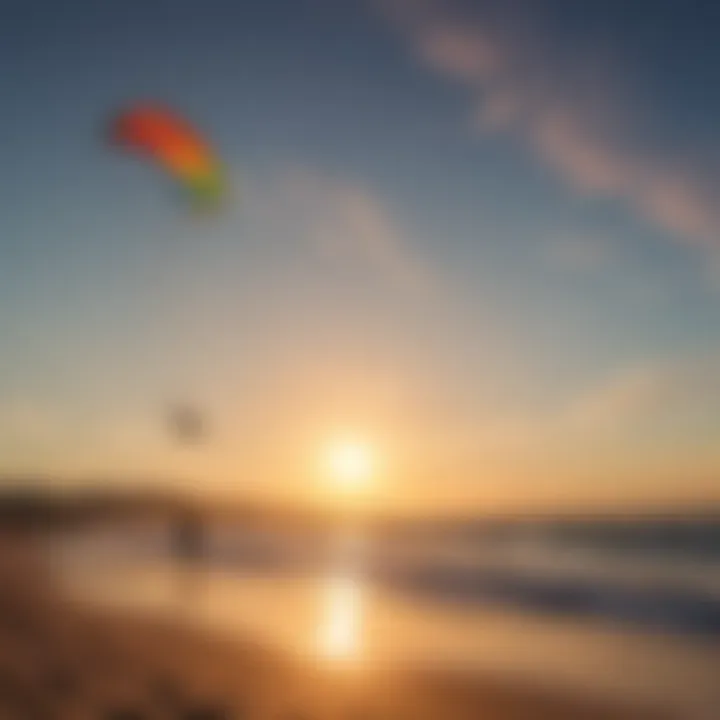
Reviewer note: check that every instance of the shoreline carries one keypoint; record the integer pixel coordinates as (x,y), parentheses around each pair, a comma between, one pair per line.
(181,669)
(60,659)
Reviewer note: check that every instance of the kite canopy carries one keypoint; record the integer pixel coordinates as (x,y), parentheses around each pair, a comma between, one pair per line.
(172,142)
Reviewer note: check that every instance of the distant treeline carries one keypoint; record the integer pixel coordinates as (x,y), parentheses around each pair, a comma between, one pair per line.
(49,504)
(32,503)
(28,507)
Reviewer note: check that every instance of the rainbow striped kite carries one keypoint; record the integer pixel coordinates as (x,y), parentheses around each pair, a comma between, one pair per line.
(158,133)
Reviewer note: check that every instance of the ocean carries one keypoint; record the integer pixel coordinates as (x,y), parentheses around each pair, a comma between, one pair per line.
(627,608)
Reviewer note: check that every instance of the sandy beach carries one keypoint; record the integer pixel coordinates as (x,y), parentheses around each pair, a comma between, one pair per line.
(61,661)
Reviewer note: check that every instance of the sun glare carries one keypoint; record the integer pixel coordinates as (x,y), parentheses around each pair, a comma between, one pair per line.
(350,464)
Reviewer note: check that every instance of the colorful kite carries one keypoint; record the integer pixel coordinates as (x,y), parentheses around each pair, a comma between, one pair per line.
(162,135)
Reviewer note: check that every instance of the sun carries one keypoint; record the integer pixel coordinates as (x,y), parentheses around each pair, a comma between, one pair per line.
(350,464)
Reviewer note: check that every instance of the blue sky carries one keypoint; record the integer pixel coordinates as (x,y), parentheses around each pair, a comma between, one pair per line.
(481,235)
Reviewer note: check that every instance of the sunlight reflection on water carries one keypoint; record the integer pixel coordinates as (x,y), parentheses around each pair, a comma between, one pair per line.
(341,618)
(339,630)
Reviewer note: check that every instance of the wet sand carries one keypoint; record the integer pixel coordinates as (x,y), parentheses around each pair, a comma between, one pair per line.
(62,661)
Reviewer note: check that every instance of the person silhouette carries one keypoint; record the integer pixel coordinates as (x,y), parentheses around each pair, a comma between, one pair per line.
(189,551)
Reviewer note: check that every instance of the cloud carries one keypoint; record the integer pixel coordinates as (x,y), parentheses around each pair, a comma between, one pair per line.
(463,54)
(676,390)
(656,418)
(564,106)
(633,396)
(590,163)
(638,400)
(345,225)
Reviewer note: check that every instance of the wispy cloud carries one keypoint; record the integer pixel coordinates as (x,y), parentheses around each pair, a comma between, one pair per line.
(641,398)
(636,396)
(565,105)
(345,225)
(652,420)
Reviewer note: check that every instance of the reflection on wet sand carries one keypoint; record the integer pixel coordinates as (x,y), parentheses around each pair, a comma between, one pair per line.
(339,629)
(341,619)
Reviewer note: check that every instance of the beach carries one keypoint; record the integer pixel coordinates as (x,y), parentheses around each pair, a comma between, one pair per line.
(64,660)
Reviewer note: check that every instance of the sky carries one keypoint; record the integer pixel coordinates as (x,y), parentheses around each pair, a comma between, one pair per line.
(483,237)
